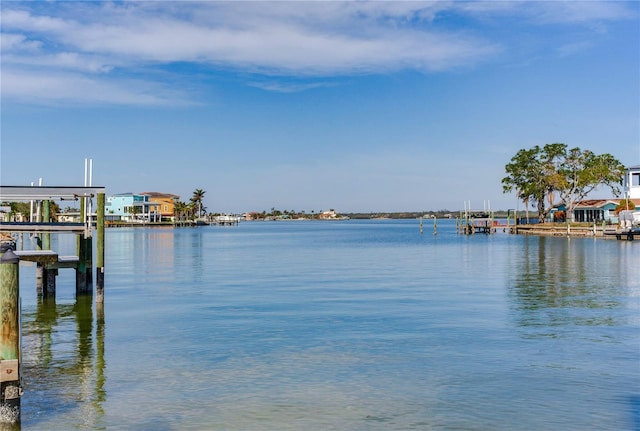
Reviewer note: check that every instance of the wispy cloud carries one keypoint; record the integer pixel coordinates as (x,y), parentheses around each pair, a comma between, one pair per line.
(290,87)
(573,48)
(52,88)
(97,43)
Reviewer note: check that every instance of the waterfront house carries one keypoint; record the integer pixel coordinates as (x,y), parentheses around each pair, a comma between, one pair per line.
(592,210)
(596,210)
(166,204)
(328,215)
(331,215)
(130,207)
(631,182)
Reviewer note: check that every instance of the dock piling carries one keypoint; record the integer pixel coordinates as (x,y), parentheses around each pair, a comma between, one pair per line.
(100,249)
(82,287)
(10,390)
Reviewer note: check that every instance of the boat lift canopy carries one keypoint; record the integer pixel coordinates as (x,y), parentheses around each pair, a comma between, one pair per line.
(43,193)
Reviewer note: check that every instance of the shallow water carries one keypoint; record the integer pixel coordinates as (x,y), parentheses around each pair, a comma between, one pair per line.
(354,325)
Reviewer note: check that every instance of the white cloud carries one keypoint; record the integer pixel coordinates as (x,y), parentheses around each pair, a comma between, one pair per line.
(294,38)
(17,42)
(52,88)
(556,12)
(290,87)
(287,44)
(286,39)
(582,11)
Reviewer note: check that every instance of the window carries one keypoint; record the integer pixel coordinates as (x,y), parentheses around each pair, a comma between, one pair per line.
(635,179)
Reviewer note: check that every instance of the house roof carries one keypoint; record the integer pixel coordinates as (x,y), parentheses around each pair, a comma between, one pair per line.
(160,195)
(599,203)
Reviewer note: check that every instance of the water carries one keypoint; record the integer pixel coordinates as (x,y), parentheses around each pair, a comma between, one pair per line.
(355,325)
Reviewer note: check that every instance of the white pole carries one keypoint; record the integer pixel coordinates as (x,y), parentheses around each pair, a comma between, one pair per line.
(31,208)
(86,209)
(38,206)
(90,201)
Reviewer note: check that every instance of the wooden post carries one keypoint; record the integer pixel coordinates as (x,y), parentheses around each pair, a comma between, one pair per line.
(40,277)
(89,246)
(81,246)
(100,249)
(420,224)
(48,284)
(88,249)
(46,218)
(10,390)
(435,228)
(81,270)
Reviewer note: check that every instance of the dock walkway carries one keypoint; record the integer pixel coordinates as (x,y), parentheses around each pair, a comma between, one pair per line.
(627,234)
(49,258)
(42,227)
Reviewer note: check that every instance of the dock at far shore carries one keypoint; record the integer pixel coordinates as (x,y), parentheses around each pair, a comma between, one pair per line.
(577,230)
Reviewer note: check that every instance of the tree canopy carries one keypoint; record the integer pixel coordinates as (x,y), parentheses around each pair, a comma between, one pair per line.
(197,197)
(539,174)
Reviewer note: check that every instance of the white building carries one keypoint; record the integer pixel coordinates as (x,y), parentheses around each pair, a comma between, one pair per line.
(632,182)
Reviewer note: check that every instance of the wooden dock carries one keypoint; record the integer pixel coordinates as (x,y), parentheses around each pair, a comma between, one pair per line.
(42,227)
(578,230)
(49,258)
(48,262)
(471,222)
(621,234)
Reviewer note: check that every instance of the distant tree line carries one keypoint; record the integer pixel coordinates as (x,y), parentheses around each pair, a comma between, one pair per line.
(24,209)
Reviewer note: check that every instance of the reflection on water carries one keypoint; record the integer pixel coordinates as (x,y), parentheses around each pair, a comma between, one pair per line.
(348,325)
(53,351)
(557,283)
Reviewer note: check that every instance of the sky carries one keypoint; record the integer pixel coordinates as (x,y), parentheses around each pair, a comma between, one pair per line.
(309,105)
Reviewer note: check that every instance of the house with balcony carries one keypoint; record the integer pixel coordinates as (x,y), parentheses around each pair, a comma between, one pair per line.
(130,207)
(631,182)
(166,204)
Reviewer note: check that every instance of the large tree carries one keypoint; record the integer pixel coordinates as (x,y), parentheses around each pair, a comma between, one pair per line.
(581,172)
(532,174)
(538,173)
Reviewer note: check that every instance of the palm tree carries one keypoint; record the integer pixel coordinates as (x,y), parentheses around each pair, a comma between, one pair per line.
(198,195)
(181,210)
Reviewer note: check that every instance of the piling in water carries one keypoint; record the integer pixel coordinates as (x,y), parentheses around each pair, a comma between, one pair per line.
(100,250)
(10,390)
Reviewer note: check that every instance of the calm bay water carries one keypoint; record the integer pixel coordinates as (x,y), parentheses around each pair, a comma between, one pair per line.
(355,325)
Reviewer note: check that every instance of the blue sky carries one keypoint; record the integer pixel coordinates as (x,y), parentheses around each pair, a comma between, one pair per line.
(357,106)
